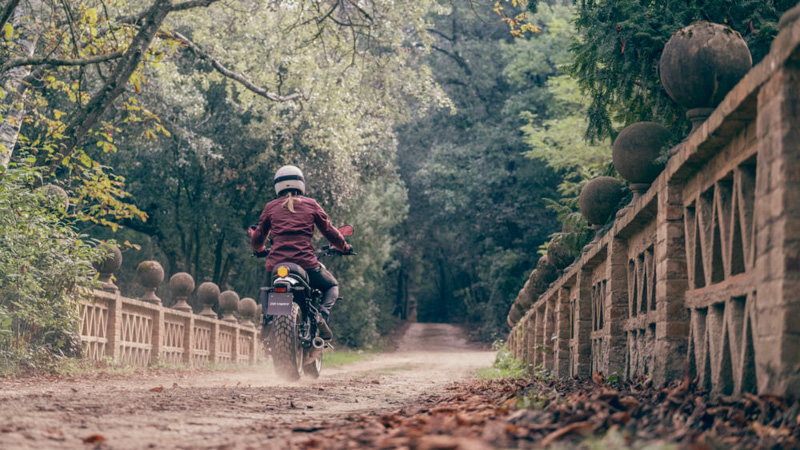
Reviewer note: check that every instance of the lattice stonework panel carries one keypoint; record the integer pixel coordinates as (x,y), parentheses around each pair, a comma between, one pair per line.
(640,351)
(202,343)
(245,347)
(598,335)
(93,330)
(172,350)
(720,237)
(225,346)
(640,326)
(721,346)
(720,250)
(136,338)
(642,283)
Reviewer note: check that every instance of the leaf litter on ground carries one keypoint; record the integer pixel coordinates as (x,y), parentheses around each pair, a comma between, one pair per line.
(525,413)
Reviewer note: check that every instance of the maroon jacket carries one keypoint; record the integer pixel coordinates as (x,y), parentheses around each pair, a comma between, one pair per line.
(292,232)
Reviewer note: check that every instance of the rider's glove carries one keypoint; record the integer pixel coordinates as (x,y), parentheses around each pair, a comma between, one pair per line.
(349,250)
(261,253)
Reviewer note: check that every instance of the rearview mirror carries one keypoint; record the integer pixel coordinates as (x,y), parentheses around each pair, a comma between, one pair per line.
(346,230)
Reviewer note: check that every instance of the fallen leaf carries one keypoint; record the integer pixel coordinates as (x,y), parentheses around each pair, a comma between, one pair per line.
(94,439)
(576,427)
(768,431)
(157,389)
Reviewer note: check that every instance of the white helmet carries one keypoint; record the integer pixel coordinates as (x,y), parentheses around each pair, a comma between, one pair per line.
(289,177)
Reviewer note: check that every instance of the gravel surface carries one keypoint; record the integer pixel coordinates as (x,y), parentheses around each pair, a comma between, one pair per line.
(246,408)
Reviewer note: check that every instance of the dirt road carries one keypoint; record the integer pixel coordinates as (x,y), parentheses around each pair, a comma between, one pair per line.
(232,409)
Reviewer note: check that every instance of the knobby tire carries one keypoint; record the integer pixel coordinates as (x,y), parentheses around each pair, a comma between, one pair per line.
(287,353)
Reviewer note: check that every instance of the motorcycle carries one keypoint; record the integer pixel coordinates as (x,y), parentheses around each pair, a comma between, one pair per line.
(292,317)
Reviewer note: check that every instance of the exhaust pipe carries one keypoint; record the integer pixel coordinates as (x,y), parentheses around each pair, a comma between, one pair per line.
(317,345)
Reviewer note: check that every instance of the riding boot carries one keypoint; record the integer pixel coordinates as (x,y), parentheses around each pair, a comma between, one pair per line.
(324,330)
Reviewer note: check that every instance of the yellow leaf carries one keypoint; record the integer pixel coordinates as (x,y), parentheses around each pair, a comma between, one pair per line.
(90,16)
(8,31)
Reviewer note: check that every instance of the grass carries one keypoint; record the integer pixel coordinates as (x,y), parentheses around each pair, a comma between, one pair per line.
(505,366)
(342,357)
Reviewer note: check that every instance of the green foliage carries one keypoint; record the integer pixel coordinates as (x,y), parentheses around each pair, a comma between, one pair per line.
(550,131)
(44,266)
(207,178)
(505,366)
(619,45)
(477,211)
(343,357)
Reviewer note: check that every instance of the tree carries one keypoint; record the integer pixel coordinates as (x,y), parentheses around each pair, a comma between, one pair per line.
(619,45)
(206,180)
(477,211)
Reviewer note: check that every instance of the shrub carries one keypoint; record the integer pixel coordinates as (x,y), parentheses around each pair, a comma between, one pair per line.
(44,265)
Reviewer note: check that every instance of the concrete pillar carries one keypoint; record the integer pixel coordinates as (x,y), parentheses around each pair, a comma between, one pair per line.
(157,340)
(776,310)
(616,306)
(561,365)
(188,340)
(672,316)
(582,344)
(114,330)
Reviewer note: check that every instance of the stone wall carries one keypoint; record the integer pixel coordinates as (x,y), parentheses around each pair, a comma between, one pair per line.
(142,332)
(701,272)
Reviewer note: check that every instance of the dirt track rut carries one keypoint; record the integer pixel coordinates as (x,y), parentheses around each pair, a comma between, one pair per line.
(232,409)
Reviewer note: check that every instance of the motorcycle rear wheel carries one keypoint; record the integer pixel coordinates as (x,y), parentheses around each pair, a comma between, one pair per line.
(287,351)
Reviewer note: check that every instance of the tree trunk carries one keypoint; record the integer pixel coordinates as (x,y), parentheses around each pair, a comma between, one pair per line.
(12,83)
(216,275)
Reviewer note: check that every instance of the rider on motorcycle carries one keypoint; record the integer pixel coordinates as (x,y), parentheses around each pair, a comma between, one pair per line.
(291,219)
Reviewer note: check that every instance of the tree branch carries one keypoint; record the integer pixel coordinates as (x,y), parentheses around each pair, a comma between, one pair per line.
(42,61)
(435,31)
(192,4)
(455,57)
(7,10)
(239,78)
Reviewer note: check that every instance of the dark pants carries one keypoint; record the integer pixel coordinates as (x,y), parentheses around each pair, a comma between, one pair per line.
(322,280)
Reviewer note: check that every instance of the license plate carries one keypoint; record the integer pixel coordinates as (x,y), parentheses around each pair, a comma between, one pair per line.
(280,303)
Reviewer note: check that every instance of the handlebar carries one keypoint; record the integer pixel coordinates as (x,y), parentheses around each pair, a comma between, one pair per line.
(330,251)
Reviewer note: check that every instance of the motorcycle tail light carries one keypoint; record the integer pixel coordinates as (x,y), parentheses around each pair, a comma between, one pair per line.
(280,289)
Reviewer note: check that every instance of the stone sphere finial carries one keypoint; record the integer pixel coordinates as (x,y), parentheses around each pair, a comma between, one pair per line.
(208,294)
(599,200)
(514,314)
(56,196)
(248,310)
(181,285)
(106,267)
(228,303)
(546,271)
(559,255)
(150,274)
(636,152)
(700,65)
(789,17)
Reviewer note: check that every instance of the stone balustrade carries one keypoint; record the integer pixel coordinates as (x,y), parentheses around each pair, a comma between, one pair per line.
(701,272)
(142,332)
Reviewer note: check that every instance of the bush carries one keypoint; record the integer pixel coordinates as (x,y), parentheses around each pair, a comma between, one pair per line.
(44,265)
